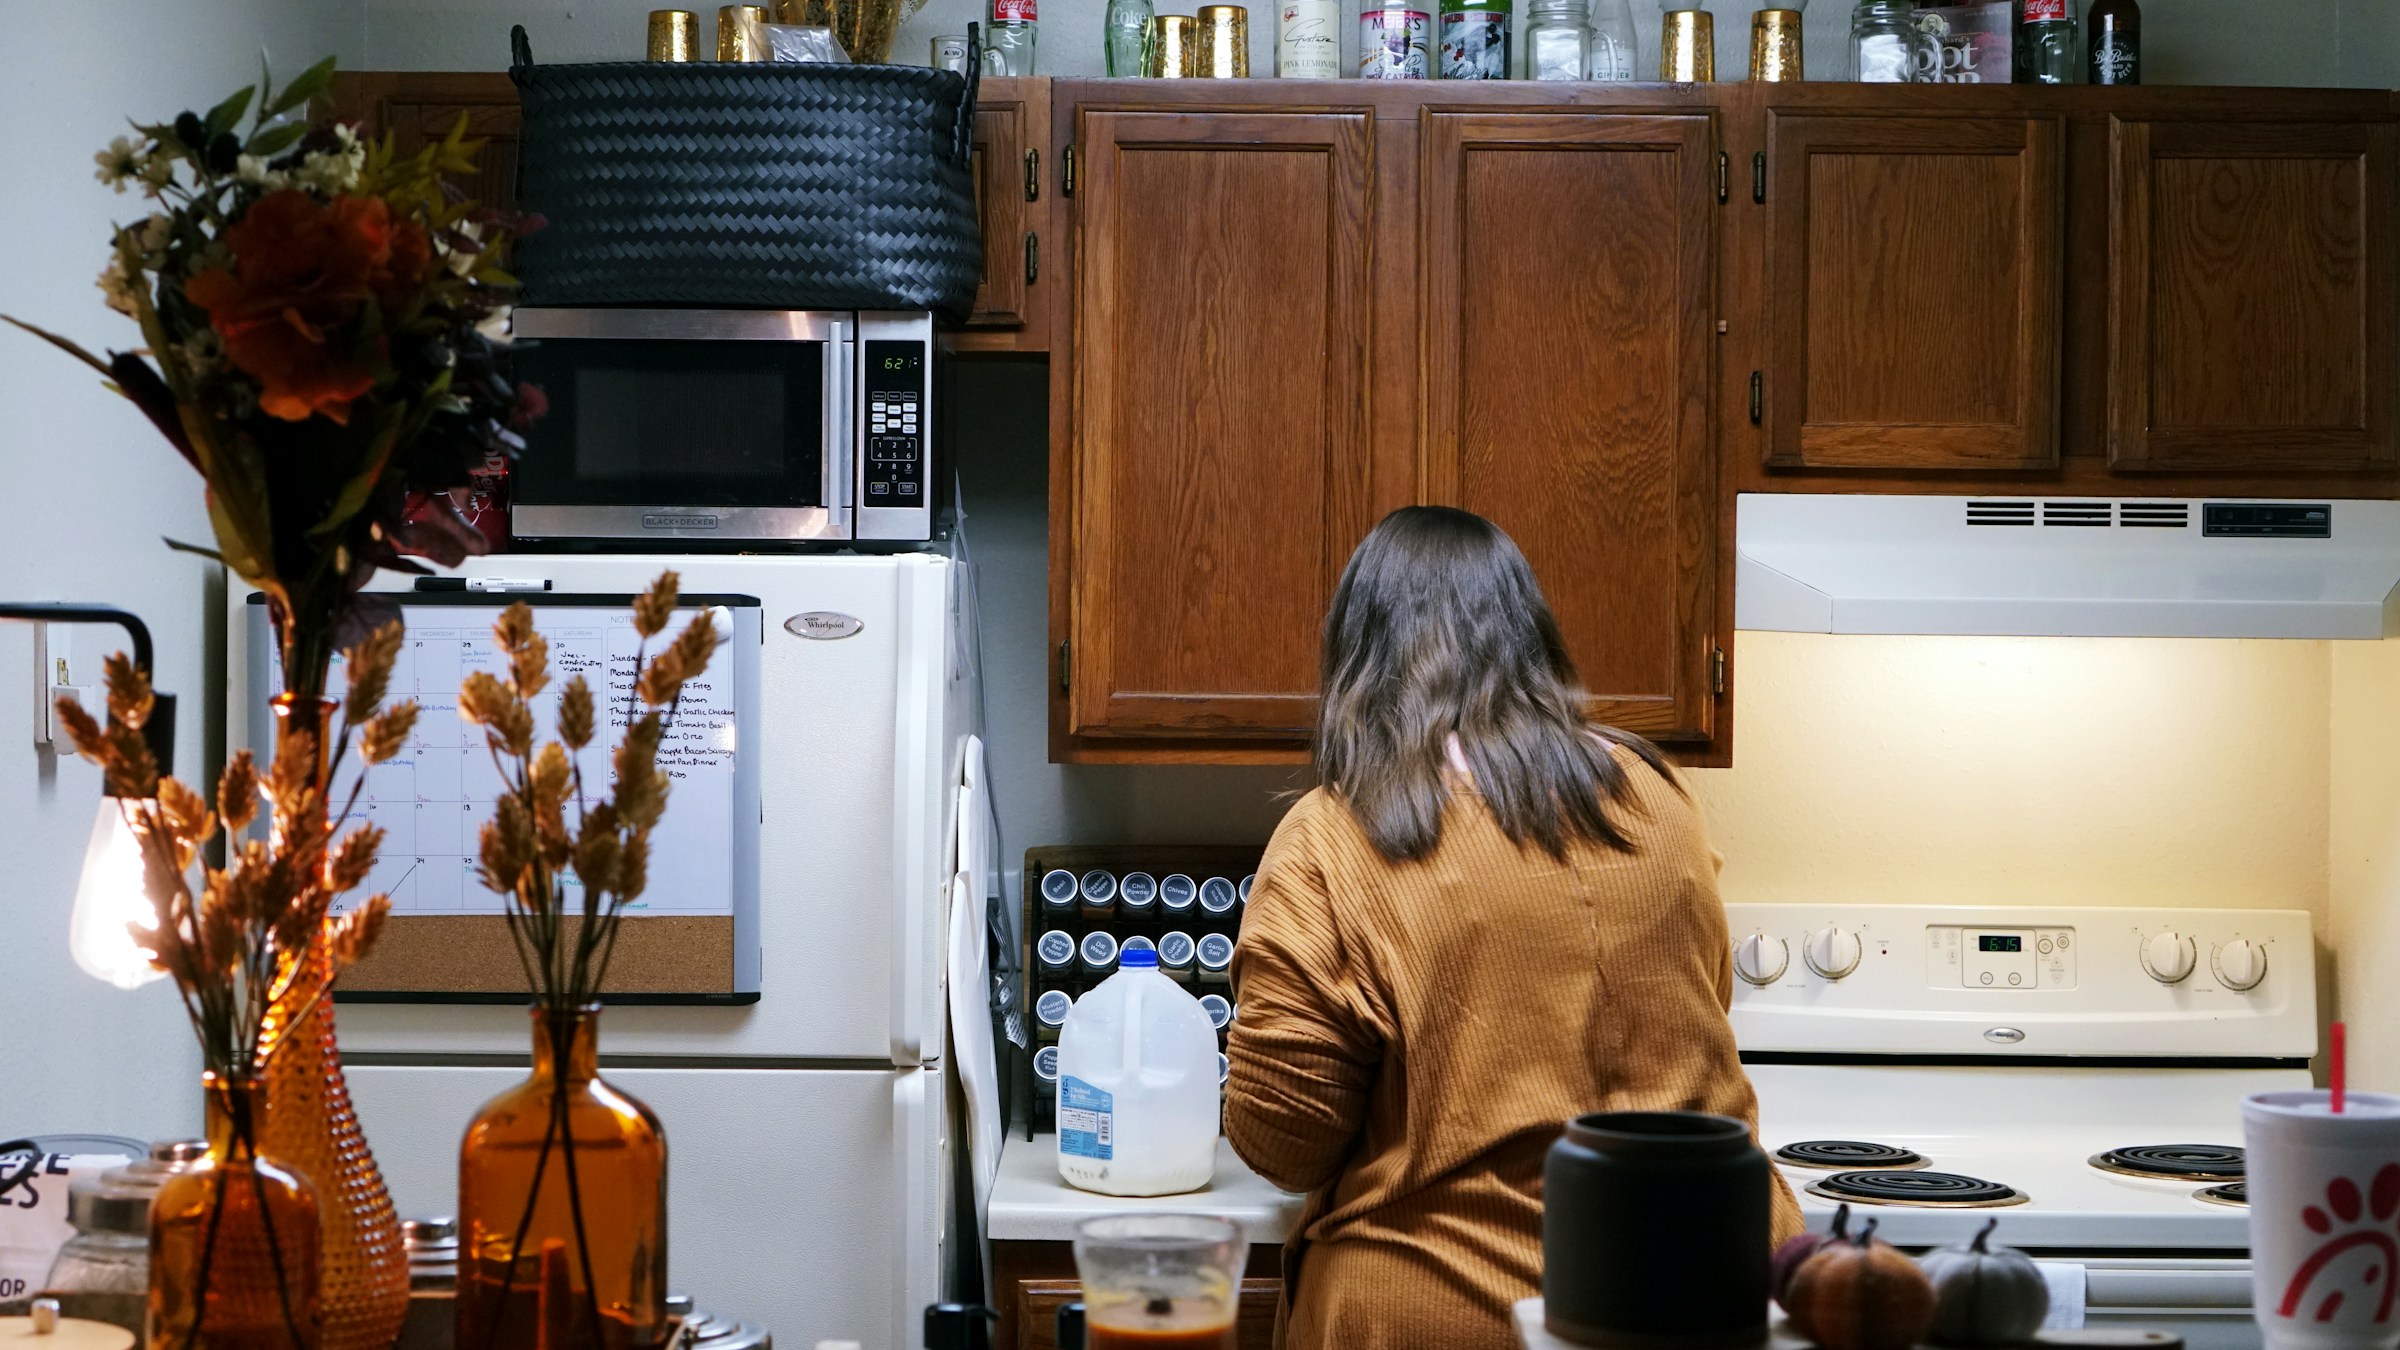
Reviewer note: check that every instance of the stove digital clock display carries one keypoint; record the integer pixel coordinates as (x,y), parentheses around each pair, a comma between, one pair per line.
(1999,942)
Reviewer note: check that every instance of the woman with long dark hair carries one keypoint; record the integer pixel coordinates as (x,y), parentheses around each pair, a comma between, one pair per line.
(1489,916)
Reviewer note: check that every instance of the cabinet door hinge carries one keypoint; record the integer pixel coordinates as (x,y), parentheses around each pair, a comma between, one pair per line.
(1758,397)
(1033,257)
(1758,177)
(1724,177)
(1033,175)
(1716,661)
(1062,667)
(1066,173)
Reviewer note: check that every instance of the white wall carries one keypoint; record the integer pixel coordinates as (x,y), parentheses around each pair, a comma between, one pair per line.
(92,490)
(2290,42)
(2364,854)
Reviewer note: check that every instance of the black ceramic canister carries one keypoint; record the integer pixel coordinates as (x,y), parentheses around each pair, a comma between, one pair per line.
(1656,1232)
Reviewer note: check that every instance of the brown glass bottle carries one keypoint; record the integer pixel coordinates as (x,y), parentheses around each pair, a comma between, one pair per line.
(2113,42)
(233,1241)
(562,1207)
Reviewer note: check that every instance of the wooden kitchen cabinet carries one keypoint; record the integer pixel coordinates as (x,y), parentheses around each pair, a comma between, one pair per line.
(1012,204)
(1569,375)
(418,107)
(2252,300)
(1914,273)
(1213,474)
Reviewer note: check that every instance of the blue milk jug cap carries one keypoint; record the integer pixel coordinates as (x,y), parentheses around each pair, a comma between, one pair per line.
(1137,958)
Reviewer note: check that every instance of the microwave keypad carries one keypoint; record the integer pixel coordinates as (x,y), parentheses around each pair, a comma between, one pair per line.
(896,424)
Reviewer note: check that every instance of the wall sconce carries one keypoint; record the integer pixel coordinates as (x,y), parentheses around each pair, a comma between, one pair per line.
(111,895)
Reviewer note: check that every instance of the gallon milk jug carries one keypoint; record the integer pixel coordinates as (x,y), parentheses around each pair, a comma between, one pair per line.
(1137,1085)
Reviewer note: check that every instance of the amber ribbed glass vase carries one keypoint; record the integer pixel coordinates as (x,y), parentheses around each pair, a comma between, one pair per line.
(562,1207)
(312,1126)
(233,1241)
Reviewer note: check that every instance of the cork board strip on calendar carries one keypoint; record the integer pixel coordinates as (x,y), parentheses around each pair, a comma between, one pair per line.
(469,958)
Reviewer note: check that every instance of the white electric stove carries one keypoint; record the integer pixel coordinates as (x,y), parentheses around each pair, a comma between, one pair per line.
(2076,1073)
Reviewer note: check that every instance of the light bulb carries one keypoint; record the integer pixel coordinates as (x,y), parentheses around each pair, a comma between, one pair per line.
(110,897)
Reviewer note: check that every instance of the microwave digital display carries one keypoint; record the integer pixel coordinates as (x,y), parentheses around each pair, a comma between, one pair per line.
(1999,942)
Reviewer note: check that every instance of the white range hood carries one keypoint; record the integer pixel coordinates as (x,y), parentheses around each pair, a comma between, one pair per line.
(2067,566)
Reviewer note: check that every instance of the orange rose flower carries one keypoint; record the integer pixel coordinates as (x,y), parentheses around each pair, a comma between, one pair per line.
(302,270)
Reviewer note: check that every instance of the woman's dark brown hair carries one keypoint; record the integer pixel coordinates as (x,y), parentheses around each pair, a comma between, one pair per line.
(1439,629)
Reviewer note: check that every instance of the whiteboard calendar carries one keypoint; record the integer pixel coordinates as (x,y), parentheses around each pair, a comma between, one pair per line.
(433,797)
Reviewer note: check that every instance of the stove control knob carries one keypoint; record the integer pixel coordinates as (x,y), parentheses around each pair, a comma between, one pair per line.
(1761,960)
(2241,964)
(2169,957)
(1832,952)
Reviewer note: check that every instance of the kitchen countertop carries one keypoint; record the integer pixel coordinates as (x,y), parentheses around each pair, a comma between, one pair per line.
(1031,1203)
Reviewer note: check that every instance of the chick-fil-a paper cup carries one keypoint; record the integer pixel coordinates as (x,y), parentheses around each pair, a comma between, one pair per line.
(2324,1219)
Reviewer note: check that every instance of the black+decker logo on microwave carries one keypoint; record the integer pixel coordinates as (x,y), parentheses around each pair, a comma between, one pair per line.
(669,520)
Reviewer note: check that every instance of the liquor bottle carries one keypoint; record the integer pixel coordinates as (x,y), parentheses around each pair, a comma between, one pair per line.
(1008,39)
(1474,37)
(2113,39)
(1126,35)
(1308,40)
(2046,47)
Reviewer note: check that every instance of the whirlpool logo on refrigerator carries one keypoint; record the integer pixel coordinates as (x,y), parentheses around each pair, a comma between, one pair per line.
(822,625)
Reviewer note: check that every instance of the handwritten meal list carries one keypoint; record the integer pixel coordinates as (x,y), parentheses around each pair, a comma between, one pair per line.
(434,796)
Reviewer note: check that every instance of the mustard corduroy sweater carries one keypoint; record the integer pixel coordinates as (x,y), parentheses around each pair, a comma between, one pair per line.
(1412,1037)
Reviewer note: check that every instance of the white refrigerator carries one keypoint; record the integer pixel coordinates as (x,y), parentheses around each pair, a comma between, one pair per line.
(810,1134)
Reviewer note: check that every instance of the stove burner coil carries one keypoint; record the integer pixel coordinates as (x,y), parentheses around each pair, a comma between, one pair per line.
(1842,1155)
(2231,1193)
(2174,1162)
(1941,1190)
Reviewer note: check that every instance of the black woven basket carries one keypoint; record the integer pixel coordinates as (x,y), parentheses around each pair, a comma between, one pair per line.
(754,186)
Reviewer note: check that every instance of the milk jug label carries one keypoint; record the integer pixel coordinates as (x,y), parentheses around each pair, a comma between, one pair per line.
(1087,1121)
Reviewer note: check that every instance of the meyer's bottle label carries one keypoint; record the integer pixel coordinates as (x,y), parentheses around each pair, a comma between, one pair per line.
(1013,11)
(1395,44)
(2046,11)
(1087,1121)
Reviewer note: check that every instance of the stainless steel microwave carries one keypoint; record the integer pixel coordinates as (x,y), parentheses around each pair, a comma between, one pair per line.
(725,426)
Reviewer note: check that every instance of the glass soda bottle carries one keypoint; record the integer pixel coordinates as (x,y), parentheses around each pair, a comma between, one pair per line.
(2046,46)
(2113,49)
(1008,38)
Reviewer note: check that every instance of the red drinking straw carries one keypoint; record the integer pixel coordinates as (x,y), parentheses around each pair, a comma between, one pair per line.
(2335,1072)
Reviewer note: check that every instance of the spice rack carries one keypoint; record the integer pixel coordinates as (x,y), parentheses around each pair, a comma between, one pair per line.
(1083,903)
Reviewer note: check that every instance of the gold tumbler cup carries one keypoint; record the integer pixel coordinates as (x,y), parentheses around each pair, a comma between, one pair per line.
(1775,45)
(1174,47)
(674,35)
(1224,42)
(738,40)
(1687,47)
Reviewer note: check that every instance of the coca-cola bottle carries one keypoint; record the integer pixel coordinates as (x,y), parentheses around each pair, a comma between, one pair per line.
(2046,47)
(2114,42)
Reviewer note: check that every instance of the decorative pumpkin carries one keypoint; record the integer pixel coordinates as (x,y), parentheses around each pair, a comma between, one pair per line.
(1860,1294)
(1799,1248)
(1984,1295)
